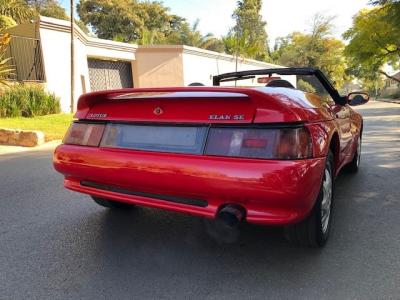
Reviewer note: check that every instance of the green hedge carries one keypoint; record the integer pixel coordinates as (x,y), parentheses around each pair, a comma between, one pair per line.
(28,101)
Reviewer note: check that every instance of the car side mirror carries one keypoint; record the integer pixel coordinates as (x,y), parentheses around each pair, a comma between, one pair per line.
(357,98)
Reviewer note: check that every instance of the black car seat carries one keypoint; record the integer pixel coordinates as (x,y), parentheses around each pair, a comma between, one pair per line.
(280,83)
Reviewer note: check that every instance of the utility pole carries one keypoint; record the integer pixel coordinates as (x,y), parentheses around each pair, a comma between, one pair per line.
(72,58)
(237,52)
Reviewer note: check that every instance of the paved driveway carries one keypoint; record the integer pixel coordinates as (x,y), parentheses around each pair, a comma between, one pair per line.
(56,244)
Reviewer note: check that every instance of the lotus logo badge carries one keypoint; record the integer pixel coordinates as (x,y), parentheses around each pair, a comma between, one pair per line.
(158,111)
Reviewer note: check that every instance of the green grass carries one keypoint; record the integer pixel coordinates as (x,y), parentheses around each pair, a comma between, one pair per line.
(53,126)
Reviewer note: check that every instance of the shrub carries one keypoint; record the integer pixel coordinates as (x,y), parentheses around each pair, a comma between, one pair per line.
(6,70)
(28,101)
(396,95)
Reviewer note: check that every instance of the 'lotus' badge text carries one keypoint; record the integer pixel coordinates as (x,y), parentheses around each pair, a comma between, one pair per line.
(97,116)
(158,111)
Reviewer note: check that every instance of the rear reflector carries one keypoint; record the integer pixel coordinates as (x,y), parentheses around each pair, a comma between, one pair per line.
(84,134)
(254,143)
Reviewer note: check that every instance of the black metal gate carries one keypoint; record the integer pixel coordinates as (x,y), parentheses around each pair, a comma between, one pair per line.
(107,74)
(26,59)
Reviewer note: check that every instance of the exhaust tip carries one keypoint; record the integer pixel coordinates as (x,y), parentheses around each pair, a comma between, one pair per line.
(225,227)
(230,215)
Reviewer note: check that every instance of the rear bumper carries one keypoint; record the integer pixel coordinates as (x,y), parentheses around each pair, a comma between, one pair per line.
(272,192)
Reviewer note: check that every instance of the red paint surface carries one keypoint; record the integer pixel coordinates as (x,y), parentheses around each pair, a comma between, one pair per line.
(273,192)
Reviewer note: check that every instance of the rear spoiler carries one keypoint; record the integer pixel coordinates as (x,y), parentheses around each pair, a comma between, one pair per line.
(86,101)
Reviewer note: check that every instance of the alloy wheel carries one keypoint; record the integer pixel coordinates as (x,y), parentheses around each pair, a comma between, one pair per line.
(326,203)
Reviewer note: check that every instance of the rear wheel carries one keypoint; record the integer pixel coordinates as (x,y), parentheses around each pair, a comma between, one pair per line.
(112,204)
(314,230)
(354,165)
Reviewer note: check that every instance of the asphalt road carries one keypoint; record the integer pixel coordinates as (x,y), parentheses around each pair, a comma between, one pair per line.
(56,244)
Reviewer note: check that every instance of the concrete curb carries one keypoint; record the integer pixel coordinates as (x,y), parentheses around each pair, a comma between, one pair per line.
(395,101)
(18,137)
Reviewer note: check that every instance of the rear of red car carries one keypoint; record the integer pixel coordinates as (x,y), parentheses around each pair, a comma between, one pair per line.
(194,151)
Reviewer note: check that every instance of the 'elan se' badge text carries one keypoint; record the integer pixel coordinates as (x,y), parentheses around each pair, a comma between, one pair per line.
(226,117)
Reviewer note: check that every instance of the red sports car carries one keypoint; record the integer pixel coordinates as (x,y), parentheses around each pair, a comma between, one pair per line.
(266,155)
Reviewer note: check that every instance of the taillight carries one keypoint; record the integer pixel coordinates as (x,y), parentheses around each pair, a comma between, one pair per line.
(85,134)
(268,143)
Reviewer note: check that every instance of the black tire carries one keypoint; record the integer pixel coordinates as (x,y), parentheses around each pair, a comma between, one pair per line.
(112,204)
(354,165)
(311,231)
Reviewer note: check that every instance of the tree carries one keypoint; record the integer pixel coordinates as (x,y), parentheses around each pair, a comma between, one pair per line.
(213,43)
(374,41)
(144,23)
(48,8)
(317,49)
(125,20)
(171,36)
(392,7)
(191,36)
(53,9)
(17,10)
(248,37)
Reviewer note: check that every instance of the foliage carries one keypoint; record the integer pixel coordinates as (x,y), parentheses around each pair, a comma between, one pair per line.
(27,101)
(248,37)
(54,126)
(395,95)
(18,10)
(6,22)
(239,45)
(392,8)
(21,11)
(191,36)
(48,8)
(129,18)
(5,69)
(371,83)
(145,23)
(373,42)
(305,86)
(82,26)
(317,49)
(53,9)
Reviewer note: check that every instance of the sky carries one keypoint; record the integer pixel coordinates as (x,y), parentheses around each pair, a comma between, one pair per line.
(282,16)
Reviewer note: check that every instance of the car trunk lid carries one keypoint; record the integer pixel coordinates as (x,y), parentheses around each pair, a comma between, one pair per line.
(184,105)
(178,107)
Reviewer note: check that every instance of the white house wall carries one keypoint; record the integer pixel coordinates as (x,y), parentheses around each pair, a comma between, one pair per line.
(56,54)
(55,41)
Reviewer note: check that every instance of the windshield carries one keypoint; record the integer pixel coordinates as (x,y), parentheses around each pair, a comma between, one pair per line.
(311,84)
(305,79)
